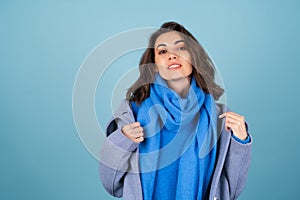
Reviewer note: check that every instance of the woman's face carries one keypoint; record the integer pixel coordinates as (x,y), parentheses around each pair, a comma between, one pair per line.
(172,59)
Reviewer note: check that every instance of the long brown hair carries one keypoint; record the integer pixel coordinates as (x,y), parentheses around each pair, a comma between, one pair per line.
(203,67)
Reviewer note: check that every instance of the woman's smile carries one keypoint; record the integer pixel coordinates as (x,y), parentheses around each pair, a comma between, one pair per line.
(174,66)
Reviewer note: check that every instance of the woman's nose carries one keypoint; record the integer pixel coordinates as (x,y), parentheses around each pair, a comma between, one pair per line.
(172,56)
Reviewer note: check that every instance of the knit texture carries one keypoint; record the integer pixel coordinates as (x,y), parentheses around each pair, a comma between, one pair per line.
(177,157)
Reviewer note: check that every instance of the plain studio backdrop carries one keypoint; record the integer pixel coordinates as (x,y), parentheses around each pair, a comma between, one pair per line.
(254,44)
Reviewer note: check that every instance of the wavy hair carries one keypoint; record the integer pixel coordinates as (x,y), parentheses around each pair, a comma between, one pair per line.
(203,67)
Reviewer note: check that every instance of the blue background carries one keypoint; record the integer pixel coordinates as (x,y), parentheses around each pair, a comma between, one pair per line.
(255,45)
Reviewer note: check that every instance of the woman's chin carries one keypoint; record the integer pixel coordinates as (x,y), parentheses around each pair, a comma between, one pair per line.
(176,77)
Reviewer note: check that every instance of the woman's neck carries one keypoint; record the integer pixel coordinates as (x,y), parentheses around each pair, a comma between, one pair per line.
(181,86)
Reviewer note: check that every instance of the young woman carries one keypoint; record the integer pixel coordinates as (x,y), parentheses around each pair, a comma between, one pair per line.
(169,139)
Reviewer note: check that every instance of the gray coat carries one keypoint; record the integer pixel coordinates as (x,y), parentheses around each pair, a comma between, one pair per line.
(119,169)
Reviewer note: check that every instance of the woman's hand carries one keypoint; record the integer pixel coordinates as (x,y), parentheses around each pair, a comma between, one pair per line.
(236,123)
(134,132)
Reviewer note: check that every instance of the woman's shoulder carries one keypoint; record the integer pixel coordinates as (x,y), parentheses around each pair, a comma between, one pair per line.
(121,116)
(124,107)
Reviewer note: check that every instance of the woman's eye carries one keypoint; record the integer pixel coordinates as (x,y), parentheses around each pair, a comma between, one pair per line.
(162,52)
(181,48)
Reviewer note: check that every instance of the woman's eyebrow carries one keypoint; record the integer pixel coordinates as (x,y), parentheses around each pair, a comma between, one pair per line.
(161,45)
(176,42)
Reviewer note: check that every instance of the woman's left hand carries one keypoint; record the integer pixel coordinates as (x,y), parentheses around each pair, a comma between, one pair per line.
(236,123)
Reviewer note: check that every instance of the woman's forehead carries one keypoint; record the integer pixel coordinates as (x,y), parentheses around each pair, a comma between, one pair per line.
(168,38)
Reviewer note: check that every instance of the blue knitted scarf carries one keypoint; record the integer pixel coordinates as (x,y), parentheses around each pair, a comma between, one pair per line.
(178,154)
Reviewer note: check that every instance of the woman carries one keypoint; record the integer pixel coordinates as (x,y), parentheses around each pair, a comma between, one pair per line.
(169,139)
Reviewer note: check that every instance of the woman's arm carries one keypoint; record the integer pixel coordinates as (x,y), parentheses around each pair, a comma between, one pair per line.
(234,159)
(236,166)
(234,171)
(117,153)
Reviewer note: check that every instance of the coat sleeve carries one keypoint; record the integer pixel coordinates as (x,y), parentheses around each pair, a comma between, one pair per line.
(116,155)
(234,163)
(235,171)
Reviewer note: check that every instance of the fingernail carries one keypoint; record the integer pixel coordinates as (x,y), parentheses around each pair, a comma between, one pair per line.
(222,115)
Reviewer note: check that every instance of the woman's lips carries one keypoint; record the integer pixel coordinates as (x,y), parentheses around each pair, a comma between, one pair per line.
(174,66)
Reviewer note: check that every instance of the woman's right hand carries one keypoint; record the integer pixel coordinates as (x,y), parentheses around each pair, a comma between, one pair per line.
(134,132)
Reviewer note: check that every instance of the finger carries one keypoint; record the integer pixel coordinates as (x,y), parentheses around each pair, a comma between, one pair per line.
(227,128)
(231,114)
(134,133)
(138,140)
(137,129)
(129,127)
(222,115)
(231,126)
(226,114)
(238,125)
(137,134)
(237,120)
(134,125)
(234,121)
(235,115)
(124,128)
(133,137)
(127,131)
